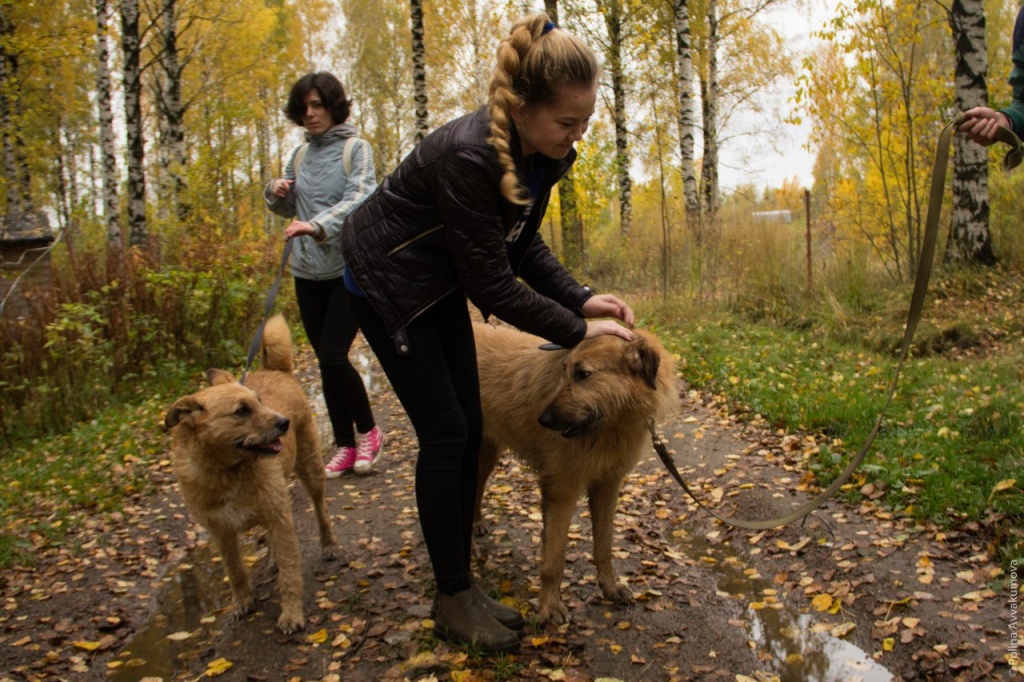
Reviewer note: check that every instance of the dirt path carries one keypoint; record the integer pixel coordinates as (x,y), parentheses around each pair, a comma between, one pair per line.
(853,593)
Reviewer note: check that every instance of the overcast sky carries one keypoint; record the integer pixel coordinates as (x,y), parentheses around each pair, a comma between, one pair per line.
(768,163)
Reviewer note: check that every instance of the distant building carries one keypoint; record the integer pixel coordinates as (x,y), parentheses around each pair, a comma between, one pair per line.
(772,216)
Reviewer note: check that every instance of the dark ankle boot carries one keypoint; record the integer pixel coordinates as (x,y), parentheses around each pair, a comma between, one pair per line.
(462,618)
(506,615)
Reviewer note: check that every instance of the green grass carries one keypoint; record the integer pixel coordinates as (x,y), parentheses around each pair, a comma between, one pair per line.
(92,470)
(954,431)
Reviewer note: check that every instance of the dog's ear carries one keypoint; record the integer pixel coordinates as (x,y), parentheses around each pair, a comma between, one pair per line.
(218,376)
(644,360)
(182,409)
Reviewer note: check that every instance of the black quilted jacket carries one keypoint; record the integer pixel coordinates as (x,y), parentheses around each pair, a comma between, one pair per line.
(438,223)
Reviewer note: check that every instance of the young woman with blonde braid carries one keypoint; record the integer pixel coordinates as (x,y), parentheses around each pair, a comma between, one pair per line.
(459,218)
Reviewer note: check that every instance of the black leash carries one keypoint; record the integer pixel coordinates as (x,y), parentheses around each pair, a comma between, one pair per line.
(254,345)
(924,271)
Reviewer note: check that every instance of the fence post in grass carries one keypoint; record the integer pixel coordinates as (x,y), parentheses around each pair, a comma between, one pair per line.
(807,219)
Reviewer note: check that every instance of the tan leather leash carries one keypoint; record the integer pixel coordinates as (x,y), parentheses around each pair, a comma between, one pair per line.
(1011,160)
(254,345)
(300,154)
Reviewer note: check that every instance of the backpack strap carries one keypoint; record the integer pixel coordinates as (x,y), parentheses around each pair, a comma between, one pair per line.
(346,155)
(300,153)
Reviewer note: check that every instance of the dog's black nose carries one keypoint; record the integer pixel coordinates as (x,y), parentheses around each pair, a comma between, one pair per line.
(282,423)
(547,419)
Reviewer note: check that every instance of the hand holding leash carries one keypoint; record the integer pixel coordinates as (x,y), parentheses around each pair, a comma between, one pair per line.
(281,187)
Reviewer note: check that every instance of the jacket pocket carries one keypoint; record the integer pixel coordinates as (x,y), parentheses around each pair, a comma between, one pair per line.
(409,242)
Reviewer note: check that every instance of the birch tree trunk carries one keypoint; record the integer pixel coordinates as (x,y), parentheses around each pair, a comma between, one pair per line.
(20,220)
(419,70)
(173,112)
(613,17)
(684,65)
(709,92)
(263,152)
(970,240)
(105,115)
(130,46)
(572,223)
(8,86)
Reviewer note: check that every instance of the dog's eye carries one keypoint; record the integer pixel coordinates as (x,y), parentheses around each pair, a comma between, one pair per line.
(581,374)
(243,411)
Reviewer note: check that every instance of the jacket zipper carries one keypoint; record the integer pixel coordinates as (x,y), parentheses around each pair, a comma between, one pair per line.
(415,239)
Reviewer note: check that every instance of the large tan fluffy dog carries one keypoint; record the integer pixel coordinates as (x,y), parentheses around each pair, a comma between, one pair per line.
(578,418)
(234,448)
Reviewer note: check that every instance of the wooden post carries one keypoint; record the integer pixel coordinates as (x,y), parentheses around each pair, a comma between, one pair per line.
(807,217)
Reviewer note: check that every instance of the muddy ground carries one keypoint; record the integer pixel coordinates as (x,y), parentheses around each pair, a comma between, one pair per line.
(853,593)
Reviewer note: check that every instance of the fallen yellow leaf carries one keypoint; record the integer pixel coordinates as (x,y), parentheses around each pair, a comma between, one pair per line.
(218,666)
(1004,484)
(842,630)
(822,602)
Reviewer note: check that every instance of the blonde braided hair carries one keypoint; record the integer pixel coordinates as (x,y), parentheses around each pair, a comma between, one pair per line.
(533,63)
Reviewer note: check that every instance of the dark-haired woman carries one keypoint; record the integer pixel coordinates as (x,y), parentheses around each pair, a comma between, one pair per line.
(324,180)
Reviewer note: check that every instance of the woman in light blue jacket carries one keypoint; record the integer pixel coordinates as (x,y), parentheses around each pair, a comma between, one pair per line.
(324,180)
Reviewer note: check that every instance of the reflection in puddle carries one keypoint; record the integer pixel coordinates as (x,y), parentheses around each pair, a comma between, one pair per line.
(192,592)
(798,652)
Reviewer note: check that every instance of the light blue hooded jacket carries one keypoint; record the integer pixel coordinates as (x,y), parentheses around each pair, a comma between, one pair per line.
(323,195)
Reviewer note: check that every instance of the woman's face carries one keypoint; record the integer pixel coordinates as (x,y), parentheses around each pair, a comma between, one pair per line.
(317,119)
(552,128)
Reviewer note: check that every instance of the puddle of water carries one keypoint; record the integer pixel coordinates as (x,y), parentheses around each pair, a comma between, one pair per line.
(361,361)
(193,591)
(798,652)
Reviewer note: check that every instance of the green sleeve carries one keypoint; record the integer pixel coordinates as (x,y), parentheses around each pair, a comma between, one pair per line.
(1015,111)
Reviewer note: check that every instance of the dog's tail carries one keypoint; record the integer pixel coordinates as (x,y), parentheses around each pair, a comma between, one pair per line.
(277,345)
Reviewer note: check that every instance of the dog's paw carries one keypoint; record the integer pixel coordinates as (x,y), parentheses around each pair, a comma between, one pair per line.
(617,593)
(330,552)
(239,610)
(480,529)
(553,611)
(290,623)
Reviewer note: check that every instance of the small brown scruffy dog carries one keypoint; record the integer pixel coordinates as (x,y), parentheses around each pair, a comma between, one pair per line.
(234,448)
(578,418)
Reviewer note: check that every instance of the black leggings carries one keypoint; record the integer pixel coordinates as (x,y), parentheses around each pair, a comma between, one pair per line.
(438,385)
(330,325)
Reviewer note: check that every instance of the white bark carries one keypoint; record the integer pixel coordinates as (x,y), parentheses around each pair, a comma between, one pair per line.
(130,45)
(419,70)
(613,16)
(709,169)
(105,113)
(684,62)
(970,239)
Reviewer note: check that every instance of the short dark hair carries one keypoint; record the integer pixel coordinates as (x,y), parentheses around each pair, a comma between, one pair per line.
(332,94)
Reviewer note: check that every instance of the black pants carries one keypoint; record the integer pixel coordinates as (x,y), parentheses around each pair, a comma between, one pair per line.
(330,325)
(438,385)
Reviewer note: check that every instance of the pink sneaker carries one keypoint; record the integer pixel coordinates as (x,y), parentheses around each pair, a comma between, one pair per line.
(344,459)
(368,450)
